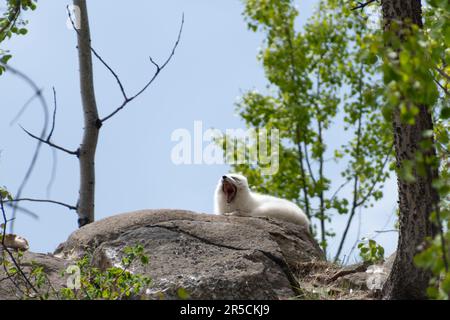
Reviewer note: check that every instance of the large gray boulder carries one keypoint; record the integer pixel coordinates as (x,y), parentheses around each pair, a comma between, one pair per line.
(210,256)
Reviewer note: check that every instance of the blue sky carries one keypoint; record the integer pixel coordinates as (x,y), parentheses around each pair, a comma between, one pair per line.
(214,64)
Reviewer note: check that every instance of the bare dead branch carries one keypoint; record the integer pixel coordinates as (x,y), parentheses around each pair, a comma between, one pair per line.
(54,155)
(122,89)
(158,67)
(54,115)
(364,199)
(68,206)
(47,141)
(51,144)
(385,231)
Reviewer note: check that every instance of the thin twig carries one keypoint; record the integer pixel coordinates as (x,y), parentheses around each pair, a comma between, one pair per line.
(43,201)
(442,87)
(54,115)
(443,74)
(339,189)
(51,144)
(308,164)
(362,5)
(386,224)
(159,68)
(122,89)
(14,20)
(385,231)
(47,141)
(54,155)
(356,182)
(388,156)
(358,235)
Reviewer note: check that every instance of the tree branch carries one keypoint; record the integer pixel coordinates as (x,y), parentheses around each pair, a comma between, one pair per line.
(68,206)
(308,164)
(158,67)
(385,231)
(388,156)
(13,21)
(51,144)
(339,189)
(122,89)
(362,5)
(47,141)
(54,155)
(54,115)
(442,87)
(443,74)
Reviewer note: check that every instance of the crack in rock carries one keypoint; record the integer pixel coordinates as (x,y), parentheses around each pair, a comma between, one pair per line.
(295,286)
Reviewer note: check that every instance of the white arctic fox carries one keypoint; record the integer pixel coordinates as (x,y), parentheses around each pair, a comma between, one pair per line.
(234,198)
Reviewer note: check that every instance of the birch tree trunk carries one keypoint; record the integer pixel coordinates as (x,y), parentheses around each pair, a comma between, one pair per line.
(416,199)
(92,124)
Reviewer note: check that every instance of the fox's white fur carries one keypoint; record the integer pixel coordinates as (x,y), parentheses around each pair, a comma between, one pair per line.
(234,197)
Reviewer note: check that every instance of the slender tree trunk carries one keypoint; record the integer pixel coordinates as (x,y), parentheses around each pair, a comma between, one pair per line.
(322,217)
(92,124)
(355,191)
(417,199)
(321,161)
(304,187)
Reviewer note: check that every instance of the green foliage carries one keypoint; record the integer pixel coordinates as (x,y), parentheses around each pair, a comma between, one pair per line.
(118,282)
(370,251)
(114,283)
(183,294)
(307,71)
(4,194)
(432,259)
(11,24)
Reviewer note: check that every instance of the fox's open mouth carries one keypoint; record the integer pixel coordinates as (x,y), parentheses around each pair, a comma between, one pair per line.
(229,189)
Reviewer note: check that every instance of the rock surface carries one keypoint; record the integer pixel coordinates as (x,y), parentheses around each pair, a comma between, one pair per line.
(52,266)
(211,257)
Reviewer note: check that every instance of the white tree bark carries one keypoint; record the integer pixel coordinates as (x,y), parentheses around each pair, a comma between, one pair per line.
(92,124)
